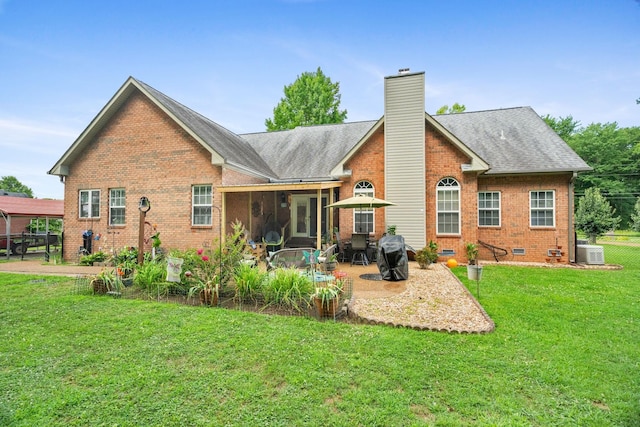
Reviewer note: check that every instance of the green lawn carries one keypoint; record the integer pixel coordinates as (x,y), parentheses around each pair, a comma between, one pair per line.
(565,352)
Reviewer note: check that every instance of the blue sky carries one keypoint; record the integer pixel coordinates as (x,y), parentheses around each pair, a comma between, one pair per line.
(61,61)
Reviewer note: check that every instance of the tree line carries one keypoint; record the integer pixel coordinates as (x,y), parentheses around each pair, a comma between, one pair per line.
(614,154)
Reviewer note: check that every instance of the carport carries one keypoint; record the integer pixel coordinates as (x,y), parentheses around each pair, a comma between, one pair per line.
(17,212)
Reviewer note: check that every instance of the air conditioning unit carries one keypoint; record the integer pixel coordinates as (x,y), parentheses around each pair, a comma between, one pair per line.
(590,254)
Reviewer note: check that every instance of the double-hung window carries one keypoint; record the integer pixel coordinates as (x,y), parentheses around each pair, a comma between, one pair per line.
(116,206)
(448,206)
(89,204)
(543,209)
(201,203)
(363,217)
(489,208)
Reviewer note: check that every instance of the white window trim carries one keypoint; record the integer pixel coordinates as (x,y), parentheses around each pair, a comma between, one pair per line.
(364,187)
(194,205)
(499,208)
(440,189)
(123,206)
(90,193)
(553,208)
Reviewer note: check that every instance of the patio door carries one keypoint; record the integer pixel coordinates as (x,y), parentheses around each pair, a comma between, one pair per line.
(304,219)
(300,216)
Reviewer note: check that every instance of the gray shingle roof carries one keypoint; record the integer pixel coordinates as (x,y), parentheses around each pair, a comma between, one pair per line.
(307,153)
(513,140)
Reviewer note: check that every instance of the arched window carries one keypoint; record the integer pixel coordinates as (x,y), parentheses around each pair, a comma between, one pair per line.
(363,217)
(448,206)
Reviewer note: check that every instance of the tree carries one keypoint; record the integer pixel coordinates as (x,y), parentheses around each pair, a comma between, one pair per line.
(565,127)
(311,100)
(595,215)
(614,155)
(11,184)
(455,108)
(635,217)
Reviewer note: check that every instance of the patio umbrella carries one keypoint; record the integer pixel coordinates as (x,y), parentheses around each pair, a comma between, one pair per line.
(361,201)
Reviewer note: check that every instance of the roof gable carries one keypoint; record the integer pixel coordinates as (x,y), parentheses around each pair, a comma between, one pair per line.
(477,163)
(226,148)
(513,140)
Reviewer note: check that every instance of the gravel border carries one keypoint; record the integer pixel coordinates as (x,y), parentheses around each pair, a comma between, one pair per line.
(434,300)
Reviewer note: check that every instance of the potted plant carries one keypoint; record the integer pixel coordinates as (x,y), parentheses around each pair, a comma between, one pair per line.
(105,282)
(325,299)
(474,270)
(332,262)
(208,291)
(427,255)
(125,271)
(126,261)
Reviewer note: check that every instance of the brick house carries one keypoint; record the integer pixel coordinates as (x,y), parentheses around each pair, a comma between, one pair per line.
(501,177)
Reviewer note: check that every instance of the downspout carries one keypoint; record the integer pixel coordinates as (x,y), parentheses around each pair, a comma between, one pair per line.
(571,233)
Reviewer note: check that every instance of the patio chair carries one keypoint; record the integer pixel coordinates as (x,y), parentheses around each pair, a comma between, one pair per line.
(340,248)
(325,257)
(359,248)
(273,241)
(287,258)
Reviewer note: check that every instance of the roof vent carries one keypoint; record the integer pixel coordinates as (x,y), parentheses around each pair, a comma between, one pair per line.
(403,71)
(502,137)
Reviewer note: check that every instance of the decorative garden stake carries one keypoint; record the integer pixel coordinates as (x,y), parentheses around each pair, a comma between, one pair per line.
(144,205)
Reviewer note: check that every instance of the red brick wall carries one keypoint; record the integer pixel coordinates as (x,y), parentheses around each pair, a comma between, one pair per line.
(367,164)
(231,177)
(515,231)
(145,152)
(443,160)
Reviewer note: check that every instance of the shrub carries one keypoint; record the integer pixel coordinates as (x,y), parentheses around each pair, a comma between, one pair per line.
(287,287)
(94,257)
(427,255)
(151,275)
(249,281)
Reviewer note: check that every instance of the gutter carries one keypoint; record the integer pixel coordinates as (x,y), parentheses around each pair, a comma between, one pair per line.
(295,180)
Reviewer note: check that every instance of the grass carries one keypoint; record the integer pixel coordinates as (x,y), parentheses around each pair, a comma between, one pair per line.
(564,352)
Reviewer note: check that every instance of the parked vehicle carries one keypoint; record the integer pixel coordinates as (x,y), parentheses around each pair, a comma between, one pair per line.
(12,245)
(18,244)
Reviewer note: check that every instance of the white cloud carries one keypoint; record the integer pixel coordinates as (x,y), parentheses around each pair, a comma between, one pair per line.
(27,135)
